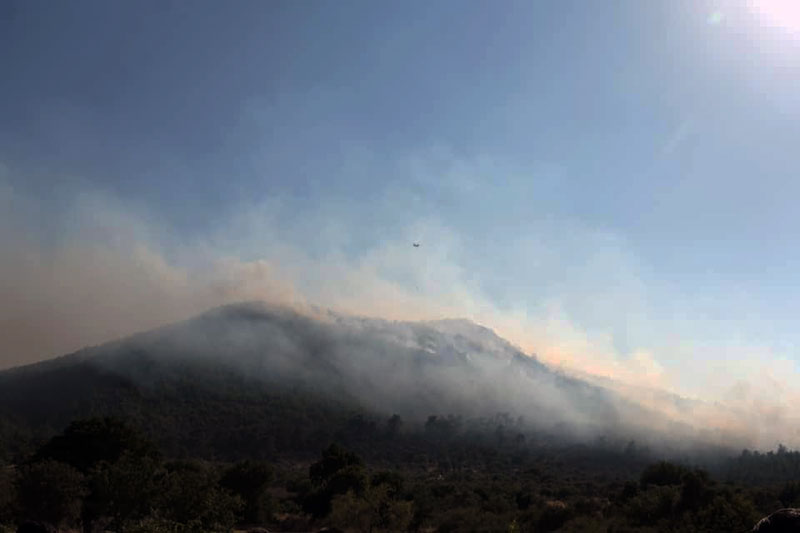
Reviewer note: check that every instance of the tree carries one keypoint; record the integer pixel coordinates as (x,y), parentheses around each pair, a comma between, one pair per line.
(695,492)
(334,458)
(249,480)
(124,491)
(336,473)
(51,491)
(651,505)
(350,478)
(374,508)
(393,480)
(191,496)
(662,473)
(87,442)
(8,495)
(394,425)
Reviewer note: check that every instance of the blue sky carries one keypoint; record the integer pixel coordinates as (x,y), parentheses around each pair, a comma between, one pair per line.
(627,167)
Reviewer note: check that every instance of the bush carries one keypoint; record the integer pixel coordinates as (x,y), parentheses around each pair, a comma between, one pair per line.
(124,491)
(334,458)
(337,473)
(249,481)
(553,517)
(155,525)
(375,509)
(662,473)
(51,491)
(8,495)
(87,442)
(191,496)
(652,505)
(726,514)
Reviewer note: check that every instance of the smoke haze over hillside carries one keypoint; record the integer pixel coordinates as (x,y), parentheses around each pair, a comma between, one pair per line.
(610,187)
(105,274)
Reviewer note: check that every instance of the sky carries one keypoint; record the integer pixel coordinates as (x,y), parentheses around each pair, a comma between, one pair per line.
(610,185)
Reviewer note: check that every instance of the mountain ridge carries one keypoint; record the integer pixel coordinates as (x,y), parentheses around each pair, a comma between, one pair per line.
(232,356)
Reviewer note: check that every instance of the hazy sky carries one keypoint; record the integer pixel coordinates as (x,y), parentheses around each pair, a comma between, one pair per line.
(612,184)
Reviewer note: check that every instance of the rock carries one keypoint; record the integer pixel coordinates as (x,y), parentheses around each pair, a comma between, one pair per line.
(782,521)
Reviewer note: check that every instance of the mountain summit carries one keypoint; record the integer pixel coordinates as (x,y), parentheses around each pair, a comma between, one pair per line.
(247,367)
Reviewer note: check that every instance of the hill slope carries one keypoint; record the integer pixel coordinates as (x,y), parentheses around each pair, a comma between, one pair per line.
(251,379)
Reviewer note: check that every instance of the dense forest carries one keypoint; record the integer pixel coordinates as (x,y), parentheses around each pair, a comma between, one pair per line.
(105,474)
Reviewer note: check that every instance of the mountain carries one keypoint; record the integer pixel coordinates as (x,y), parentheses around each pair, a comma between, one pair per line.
(254,379)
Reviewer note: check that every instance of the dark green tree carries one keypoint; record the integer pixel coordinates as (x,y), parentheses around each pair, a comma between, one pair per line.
(250,480)
(393,480)
(51,492)
(334,458)
(662,473)
(8,495)
(123,492)
(394,425)
(191,495)
(695,490)
(87,442)
(337,472)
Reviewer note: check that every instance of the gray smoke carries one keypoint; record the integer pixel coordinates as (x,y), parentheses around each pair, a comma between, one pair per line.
(412,368)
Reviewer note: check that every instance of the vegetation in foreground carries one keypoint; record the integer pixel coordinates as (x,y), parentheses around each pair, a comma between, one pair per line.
(103,475)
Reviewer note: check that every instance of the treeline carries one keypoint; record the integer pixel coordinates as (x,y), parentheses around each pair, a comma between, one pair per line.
(104,475)
(100,474)
(753,467)
(209,412)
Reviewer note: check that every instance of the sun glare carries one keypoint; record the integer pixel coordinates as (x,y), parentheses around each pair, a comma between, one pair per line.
(778,13)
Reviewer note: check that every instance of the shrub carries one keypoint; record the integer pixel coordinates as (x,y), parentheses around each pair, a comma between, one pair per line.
(51,491)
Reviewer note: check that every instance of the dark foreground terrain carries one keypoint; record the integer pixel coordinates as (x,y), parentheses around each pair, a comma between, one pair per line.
(104,475)
(254,417)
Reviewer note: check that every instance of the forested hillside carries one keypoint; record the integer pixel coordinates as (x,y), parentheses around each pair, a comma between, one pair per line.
(263,417)
(105,473)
